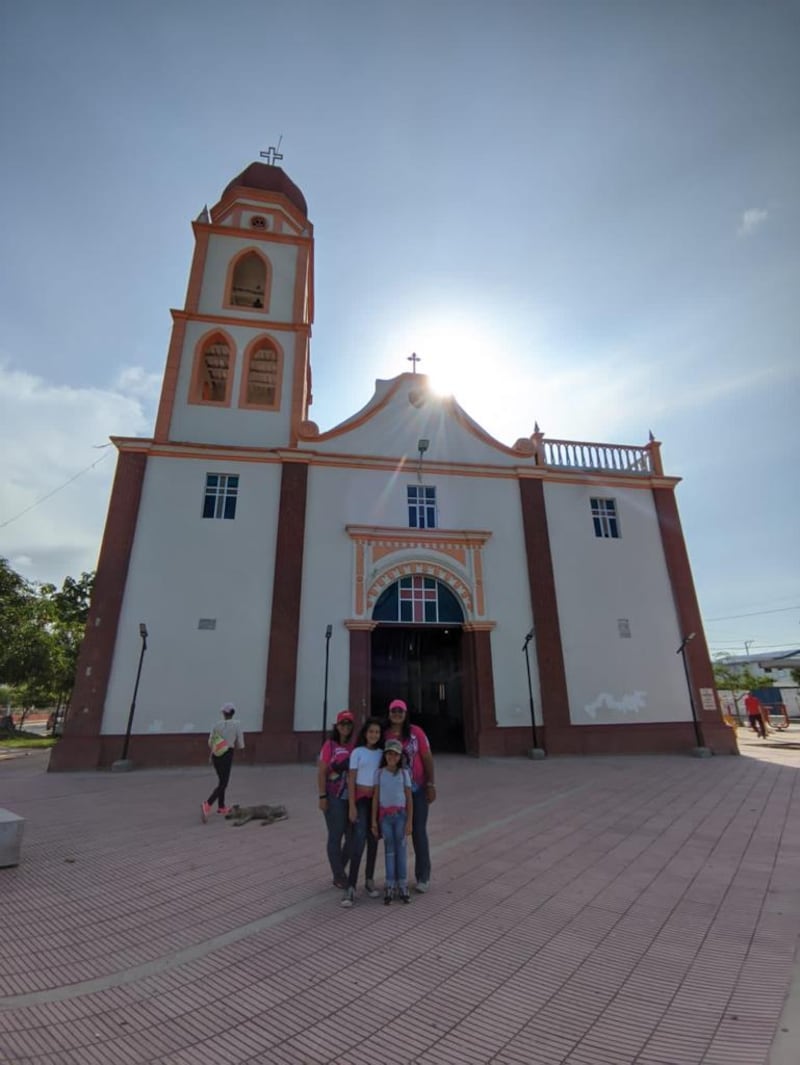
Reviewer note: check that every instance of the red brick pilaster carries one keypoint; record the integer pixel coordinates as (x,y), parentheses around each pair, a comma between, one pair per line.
(544,606)
(278,741)
(360,686)
(80,745)
(717,735)
(480,718)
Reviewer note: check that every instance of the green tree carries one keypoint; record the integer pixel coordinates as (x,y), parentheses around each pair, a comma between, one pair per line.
(67,611)
(24,650)
(739,680)
(41,629)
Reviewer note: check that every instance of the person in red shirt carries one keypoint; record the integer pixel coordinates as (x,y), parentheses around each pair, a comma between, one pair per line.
(753,708)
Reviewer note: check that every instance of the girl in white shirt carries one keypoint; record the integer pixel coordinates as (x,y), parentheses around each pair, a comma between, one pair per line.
(364,761)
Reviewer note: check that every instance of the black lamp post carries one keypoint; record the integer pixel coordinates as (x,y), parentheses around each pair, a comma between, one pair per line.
(682,652)
(328,634)
(143,635)
(536,746)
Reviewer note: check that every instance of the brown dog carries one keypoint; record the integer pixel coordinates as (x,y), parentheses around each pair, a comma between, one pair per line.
(240,815)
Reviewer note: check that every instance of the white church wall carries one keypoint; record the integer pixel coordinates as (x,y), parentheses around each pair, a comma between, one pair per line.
(339,497)
(183,568)
(327,593)
(213,424)
(222,251)
(602,583)
(494,504)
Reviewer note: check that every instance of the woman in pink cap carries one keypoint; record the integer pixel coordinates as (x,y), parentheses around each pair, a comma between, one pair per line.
(417,751)
(334,759)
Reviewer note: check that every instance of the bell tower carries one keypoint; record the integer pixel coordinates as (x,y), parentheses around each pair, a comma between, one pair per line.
(238,371)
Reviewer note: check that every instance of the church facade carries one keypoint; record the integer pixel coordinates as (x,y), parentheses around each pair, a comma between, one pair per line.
(403,553)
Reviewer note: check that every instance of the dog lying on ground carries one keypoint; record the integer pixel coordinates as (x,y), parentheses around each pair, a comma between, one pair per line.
(266,814)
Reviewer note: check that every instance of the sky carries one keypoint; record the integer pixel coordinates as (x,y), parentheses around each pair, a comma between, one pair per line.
(581,214)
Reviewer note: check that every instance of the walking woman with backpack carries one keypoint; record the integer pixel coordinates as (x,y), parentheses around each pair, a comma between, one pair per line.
(224,737)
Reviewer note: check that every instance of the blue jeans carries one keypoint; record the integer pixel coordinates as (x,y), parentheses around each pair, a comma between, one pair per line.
(393,830)
(361,836)
(338,837)
(419,836)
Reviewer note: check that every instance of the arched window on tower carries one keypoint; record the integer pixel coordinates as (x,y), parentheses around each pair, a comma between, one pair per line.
(213,370)
(262,374)
(249,281)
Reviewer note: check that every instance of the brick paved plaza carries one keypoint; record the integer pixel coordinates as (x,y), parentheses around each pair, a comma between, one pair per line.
(598,911)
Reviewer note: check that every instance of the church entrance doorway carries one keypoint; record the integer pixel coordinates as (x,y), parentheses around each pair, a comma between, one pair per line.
(422,665)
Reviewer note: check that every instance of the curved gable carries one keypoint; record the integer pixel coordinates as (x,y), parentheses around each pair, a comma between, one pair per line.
(403,411)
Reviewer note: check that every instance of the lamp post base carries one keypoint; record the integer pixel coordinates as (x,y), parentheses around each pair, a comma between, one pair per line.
(701,752)
(122,765)
(537,754)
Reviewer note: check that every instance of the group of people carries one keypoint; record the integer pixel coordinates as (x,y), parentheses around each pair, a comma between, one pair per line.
(378,786)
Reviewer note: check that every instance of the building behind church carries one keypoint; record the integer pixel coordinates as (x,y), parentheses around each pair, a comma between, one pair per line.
(241,531)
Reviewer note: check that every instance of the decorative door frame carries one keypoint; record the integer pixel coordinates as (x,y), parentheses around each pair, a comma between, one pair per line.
(383,555)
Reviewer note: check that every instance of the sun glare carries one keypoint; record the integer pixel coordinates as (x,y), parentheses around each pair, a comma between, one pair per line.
(472,358)
(455,354)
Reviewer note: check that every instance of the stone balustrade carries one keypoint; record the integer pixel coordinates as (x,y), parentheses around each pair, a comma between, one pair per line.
(642,461)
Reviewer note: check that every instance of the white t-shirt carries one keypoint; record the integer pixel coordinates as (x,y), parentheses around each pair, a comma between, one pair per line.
(231,731)
(365,762)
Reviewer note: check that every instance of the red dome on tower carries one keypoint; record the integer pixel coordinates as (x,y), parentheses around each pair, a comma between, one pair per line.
(269,179)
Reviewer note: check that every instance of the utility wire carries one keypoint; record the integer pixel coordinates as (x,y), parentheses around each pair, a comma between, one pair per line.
(48,495)
(754,614)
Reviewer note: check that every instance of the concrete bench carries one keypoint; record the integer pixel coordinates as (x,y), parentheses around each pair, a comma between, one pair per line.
(11,826)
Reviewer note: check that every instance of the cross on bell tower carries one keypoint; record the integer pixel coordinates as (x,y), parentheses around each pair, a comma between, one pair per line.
(272,155)
(413,358)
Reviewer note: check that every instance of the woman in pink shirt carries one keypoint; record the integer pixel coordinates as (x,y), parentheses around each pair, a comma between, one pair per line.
(417,751)
(334,761)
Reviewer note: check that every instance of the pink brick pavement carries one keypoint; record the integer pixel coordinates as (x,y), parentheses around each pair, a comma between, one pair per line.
(597,911)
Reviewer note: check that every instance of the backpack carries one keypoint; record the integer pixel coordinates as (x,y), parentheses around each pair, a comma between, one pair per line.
(217,743)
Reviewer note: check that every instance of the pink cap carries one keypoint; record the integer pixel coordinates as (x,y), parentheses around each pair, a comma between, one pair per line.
(397,704)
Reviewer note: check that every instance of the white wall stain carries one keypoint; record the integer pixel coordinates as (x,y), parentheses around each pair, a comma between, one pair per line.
(626,704)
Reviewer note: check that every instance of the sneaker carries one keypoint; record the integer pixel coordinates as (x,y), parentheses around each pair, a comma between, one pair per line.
(371,890)
(422,886)
(387,896)
(349,898)
(224,810)
(404,895)
(205,810)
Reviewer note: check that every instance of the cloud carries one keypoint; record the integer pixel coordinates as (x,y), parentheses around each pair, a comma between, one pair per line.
(751,220)
(52,440)
(134,381)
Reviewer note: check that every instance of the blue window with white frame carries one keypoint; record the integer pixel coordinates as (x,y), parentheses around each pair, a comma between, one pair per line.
(421,506)
(605,518)
(222,491)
